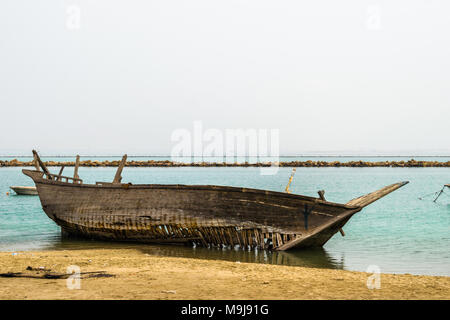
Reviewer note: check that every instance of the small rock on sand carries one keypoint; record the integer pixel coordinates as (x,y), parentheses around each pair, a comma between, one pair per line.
(169,291)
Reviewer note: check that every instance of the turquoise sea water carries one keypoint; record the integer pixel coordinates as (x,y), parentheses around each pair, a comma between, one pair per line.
(399,233)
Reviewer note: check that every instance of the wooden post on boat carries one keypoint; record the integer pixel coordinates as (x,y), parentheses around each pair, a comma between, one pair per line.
(60,173)
(42,165)
(118,176)
(290,180)
(77,164)
(322,197)
(36,163)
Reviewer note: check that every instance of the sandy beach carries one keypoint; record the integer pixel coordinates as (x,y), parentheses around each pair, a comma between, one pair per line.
(137,275)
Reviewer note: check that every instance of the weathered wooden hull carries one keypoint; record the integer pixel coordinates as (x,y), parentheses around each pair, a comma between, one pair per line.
(205,215)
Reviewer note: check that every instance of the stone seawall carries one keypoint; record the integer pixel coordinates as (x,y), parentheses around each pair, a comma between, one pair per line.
(166,163)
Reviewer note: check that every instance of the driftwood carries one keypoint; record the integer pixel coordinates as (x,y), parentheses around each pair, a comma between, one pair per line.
(54,275)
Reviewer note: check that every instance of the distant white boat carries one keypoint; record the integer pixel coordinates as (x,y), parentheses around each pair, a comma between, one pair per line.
(29,191)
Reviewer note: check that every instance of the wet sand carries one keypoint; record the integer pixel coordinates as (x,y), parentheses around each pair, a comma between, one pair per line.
(138,275)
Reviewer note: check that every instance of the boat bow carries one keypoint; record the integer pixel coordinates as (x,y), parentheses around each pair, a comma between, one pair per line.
(319,236)
(364,201)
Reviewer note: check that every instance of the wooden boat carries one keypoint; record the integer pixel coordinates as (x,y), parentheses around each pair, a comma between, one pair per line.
(206,215)
(28,191)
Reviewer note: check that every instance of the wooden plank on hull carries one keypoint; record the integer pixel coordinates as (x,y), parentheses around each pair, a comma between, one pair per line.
(118,176)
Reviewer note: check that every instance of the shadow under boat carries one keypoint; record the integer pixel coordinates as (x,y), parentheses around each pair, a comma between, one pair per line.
(310,258)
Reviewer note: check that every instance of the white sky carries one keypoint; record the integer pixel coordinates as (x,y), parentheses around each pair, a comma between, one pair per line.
(331,75)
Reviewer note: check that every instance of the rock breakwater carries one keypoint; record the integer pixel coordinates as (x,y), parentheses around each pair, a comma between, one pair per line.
(166,163)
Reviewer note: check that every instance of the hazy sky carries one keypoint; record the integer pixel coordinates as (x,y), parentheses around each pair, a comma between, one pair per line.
(123,75)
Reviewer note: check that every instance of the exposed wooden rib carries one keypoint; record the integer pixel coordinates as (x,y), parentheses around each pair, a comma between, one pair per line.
(118,176)
(60,173)
(279,240)
(75,170)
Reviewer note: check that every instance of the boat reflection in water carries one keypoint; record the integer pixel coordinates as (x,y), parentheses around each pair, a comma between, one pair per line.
(312,258)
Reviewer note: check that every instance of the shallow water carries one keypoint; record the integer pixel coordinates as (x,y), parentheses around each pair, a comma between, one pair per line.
(399,233)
